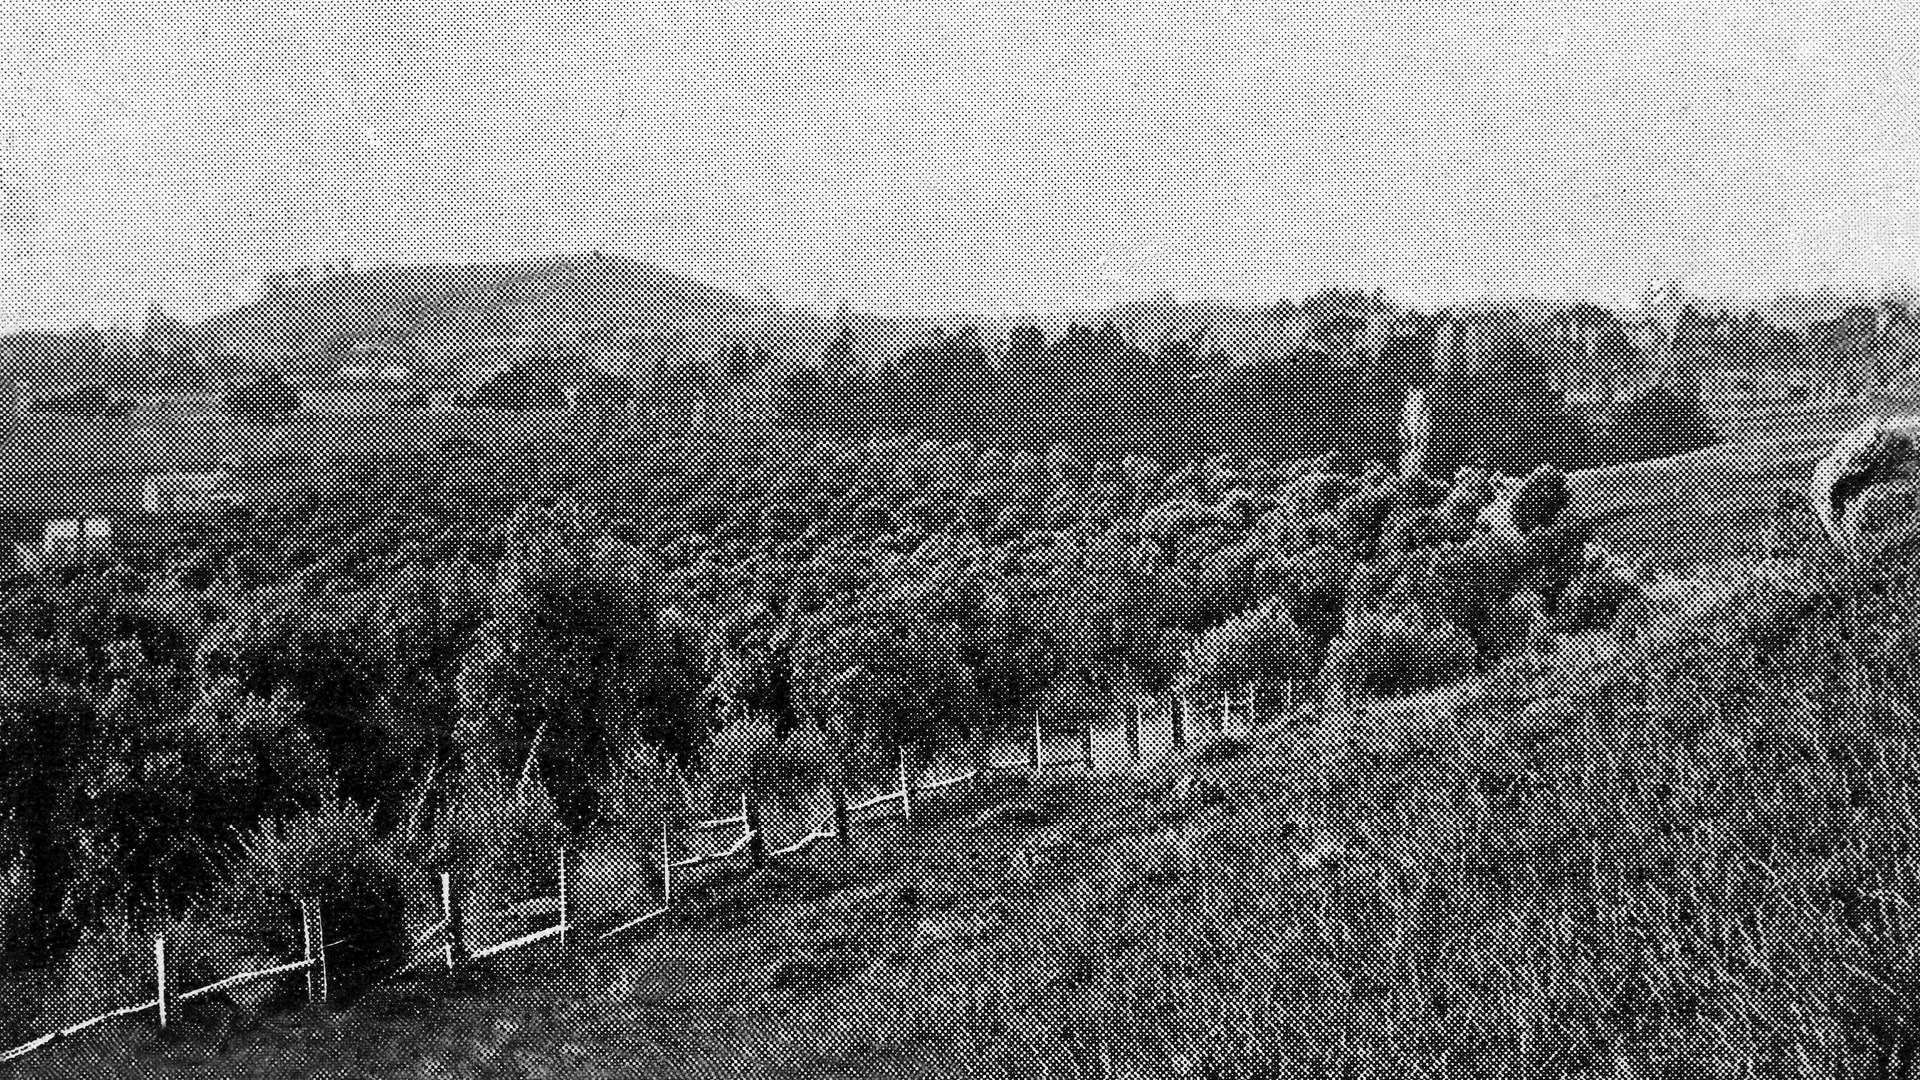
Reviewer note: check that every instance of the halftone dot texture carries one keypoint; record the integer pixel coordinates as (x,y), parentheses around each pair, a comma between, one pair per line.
(1353,691)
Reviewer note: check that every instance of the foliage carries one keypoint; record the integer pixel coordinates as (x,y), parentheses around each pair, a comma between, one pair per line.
(267,397)
(573,664)
(1260,647)
(1659,422)
(332,856)
(1398,652)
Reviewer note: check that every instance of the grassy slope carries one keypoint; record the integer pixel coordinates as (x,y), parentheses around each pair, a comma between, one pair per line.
(1710,505)
(1494,880)
(1716,504)
(1509,878)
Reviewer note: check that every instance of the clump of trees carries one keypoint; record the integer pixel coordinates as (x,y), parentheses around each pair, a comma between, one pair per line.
(90,400)
(267,397)
(1330,375)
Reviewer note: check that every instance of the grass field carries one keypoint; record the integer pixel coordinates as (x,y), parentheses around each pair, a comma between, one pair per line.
(1718,503)
(1703,507)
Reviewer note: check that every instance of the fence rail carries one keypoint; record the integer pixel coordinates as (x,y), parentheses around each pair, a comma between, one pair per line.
(450,932)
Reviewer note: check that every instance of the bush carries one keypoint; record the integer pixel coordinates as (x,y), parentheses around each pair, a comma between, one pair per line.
(1518,621)
(1659,423)
(1473,490)
(1539,499)
(1398,652)
(507,842)
(1314,589)
(1594,598)
(1316,493)
(333,856)
(1357,520)
(109,970)
(1410,529)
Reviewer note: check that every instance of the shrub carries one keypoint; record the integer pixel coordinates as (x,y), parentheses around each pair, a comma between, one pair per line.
(506,840)
(1316,493)
(1518,621)
(111,969)
(1593,599)
(331,855)
(1472,490)
(1419,491)
(1313,587)
(1539,499)
(1658,423)
(1410,529)
(1398,652)
(1358,518)
(1549,557)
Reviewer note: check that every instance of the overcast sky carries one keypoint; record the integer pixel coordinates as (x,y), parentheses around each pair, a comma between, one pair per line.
(961,155)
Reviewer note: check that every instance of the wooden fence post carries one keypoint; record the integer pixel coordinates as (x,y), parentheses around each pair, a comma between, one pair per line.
(163,980)
(1286,703)
(1226,706)
(313,930)
(840,817)
(666,861)
(1086,744)
(454,937)
(750,828)
(569,884)
(1133,730)
(906,789)
(1033,751)
(1178,708)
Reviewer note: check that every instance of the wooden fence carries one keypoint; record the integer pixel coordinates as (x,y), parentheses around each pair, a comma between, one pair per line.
(452,949)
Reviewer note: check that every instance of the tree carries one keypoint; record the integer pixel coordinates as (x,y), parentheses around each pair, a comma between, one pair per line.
(1011,661)
(1260,647)
(576,666)
(1660,422)
(882,681)
(269,397)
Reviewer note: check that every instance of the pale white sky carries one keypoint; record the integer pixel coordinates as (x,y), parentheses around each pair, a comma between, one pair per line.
(960,155)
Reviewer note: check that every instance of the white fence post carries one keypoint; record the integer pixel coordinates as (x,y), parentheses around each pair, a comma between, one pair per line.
(314,931)
(454,938)
(569,874)
(666,862)
(163,980)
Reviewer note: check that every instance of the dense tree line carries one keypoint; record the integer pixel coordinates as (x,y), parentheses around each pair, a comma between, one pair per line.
(1336,382)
